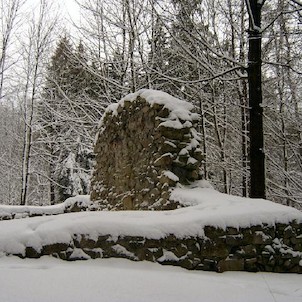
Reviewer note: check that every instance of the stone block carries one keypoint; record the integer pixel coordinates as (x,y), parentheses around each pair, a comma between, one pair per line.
(188,263)
(296,239)
(289,232)
(207,265)
(94,253)
(214,249)
(193,175)
(31,252)
(248,251)
(230,265)
(233,240)
(163,113)
(259,237)
(251,265)
(164,161)
(128,203)
(86,242)
(213,232)
(54,248)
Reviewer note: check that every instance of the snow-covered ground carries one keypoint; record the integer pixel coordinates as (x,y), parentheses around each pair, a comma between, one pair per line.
(117,280)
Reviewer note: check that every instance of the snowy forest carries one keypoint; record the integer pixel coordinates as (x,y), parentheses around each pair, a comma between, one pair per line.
(57,76)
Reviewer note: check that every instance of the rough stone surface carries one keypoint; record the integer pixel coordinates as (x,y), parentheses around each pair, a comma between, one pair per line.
(142,150)
(213,252)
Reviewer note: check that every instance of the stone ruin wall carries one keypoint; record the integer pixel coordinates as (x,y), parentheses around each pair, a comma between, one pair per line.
(140,156)
(144,149)
(266,248)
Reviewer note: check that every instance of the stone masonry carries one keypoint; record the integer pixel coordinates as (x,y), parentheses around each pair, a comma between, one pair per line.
(146,144)
(267,248)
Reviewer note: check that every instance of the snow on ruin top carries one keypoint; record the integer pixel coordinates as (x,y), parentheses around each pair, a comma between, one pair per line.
(179,109)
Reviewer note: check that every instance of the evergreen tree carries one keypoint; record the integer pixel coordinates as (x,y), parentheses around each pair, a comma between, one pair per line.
(68,118)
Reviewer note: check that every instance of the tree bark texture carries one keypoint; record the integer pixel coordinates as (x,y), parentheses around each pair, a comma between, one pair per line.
(257,156)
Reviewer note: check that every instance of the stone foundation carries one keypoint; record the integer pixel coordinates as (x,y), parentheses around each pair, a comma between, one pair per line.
(259,248)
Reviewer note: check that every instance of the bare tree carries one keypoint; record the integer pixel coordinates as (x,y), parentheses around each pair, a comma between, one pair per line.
(8,18)
(10,153)
(39,35)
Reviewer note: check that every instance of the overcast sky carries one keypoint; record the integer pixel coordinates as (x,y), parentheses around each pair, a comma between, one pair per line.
(68,8)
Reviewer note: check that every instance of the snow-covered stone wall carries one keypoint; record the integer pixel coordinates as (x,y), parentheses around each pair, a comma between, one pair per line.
(259,248)
(146,144)
(78,203)
(213,231)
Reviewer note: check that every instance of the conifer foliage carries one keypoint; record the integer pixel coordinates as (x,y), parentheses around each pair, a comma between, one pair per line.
(68,120)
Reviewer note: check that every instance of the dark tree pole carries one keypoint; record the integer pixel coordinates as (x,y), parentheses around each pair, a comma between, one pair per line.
(257,156)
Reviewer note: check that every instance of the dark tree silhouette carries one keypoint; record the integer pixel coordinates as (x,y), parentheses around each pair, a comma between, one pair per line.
(257,156)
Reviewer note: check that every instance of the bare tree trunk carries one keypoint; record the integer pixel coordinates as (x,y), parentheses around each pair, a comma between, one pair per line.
(257,156)
(37,43)
(244,138)
(132,39)
(7,20)
(241,88)
(51,184)
(28,131)
(220,133)
(204,138)
(243,96)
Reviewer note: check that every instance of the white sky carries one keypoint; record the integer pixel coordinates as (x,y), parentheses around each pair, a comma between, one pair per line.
(68,8)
